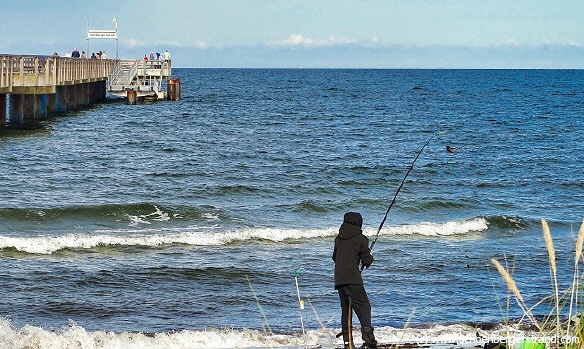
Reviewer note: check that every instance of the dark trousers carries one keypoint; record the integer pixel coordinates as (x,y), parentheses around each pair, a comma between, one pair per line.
(359,303)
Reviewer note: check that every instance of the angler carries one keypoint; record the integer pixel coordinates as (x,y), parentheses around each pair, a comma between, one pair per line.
(351,250)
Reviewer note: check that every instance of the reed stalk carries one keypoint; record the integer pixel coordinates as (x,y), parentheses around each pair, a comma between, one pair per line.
(513,288)
(322,326)
(575,280)
(406,325)
(259,305)
(504,312)
(552,257)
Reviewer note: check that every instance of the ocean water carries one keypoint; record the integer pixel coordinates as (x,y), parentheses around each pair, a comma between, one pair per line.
(187,224)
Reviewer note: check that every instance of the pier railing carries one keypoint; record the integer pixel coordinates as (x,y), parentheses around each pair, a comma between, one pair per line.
(48,71)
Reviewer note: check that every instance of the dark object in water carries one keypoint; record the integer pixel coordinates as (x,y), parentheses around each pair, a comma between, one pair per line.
(450,149)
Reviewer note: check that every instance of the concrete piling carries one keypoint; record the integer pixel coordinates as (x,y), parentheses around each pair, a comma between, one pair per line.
(16,115)
(3,111)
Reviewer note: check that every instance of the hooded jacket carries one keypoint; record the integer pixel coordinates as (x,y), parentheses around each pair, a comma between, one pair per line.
(351,249)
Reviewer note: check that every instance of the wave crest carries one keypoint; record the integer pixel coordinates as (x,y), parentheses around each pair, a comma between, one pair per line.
(52,244)
(462,227)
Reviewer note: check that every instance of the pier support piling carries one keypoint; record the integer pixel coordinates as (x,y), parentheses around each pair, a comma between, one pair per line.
(61,99)
(173,89)
(30,108)
(132,96)
(3,111)
(51,103)
(16,109)
(43,112)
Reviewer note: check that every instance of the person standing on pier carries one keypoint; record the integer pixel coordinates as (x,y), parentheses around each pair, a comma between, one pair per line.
(75,53)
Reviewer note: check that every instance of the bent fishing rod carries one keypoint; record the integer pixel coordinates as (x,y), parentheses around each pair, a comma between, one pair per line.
(396,193)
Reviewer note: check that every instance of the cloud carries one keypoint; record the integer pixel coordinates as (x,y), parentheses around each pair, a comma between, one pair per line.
(132,43)
(301,51)
(165,44)
(201,45)
(299,40)
(512,43)
(509,42)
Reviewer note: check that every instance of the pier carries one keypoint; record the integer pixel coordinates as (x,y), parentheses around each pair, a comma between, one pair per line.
(31,87)
(39,85)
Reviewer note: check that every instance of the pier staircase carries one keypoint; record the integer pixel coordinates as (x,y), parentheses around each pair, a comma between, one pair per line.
(144,77)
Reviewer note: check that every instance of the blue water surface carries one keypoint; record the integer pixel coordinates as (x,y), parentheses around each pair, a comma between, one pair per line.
(253,154)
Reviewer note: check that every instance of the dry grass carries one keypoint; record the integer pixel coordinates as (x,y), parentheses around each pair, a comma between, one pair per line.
(547,236)
(552,324)
(513,288)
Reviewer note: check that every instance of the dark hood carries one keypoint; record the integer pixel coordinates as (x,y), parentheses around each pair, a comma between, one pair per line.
(351,226)
(353,218)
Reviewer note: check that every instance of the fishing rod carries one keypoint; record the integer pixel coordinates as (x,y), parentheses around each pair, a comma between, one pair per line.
(397,192)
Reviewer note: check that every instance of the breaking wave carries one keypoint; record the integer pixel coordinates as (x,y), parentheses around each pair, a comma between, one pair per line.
(153,238)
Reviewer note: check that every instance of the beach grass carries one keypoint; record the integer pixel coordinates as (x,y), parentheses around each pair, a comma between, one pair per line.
(554,330)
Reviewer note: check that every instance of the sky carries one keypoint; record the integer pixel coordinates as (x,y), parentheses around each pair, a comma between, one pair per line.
(488,34)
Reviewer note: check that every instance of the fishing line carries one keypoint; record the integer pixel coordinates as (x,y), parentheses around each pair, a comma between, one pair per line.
(398,190)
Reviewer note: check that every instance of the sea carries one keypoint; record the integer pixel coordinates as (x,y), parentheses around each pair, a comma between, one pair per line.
(209,222)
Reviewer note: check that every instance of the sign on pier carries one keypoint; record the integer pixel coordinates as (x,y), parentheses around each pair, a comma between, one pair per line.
(102,34)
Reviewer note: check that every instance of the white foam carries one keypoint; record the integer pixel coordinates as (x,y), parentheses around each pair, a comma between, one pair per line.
(462,227)
(51,244)
(75,336)
(157,215)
